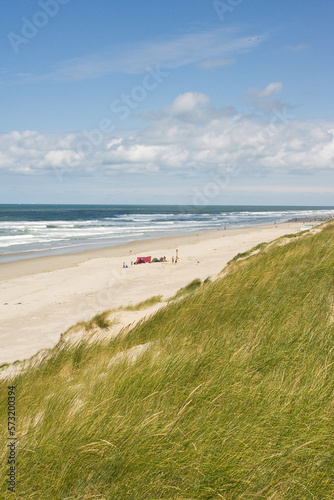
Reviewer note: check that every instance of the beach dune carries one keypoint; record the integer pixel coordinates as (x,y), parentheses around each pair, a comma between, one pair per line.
(41,298)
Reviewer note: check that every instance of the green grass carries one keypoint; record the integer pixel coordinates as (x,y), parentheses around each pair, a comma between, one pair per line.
(144,304)
(98,321)
(248,253)
(232,397)
(187,289)
(104,321)
(292,235)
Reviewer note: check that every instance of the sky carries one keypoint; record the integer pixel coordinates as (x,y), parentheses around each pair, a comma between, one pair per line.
(196,102)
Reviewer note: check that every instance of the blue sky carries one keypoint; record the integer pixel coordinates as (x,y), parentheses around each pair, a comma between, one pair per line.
(205,102)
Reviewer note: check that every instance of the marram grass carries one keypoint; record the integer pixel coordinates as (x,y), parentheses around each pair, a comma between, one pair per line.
(224,394)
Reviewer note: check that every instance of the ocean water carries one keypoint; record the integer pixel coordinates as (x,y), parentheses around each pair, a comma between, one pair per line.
(32,230)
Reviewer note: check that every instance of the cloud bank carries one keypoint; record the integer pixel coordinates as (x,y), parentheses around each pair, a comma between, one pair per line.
(189,137)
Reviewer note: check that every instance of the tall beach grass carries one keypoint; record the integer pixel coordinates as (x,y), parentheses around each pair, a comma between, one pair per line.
(226,393)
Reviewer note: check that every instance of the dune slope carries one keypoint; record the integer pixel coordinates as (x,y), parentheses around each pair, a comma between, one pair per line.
(225,393)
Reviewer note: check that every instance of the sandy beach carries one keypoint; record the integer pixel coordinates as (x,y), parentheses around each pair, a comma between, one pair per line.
(41,298)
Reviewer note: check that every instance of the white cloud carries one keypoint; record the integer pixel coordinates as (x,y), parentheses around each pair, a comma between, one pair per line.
(296,48)
(212,47)
(268,91)
(188,102)
(271,89)
(187,137)
(263,101)
(31,152)
(192,107)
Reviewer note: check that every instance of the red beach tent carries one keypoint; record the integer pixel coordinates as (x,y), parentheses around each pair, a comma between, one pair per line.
(142,260)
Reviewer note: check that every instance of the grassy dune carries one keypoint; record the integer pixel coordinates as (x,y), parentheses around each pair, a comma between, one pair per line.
(226,393)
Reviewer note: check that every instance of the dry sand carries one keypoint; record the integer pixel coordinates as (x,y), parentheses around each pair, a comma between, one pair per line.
(41,298)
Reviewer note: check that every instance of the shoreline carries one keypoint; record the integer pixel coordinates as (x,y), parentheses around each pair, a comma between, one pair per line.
(52,262)
(79,247)
(41,298)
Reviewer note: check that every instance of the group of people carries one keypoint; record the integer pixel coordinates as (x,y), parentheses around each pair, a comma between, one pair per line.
(162,259)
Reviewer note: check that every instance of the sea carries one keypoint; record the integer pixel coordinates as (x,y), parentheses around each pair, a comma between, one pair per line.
(28,231)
